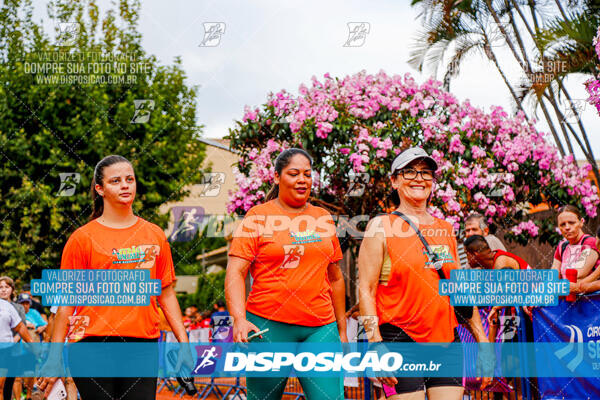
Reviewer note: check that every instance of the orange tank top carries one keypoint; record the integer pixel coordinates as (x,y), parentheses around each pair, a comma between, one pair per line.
(407,294)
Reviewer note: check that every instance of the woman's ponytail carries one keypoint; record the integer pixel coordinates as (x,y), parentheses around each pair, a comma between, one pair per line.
(273,193)
(97,202)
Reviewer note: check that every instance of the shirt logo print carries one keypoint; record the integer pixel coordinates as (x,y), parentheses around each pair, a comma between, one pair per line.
(293,254)
(143,256)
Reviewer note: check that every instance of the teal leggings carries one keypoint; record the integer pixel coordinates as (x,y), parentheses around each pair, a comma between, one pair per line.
(314,388)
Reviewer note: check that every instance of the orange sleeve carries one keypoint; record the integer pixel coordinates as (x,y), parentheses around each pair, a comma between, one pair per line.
(74,255)
(246,238)
(165,271)
(337,251)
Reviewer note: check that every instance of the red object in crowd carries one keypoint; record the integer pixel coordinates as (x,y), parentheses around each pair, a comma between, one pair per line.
(571,275)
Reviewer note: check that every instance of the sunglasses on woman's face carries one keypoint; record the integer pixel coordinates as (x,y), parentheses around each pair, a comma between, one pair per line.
(411,173)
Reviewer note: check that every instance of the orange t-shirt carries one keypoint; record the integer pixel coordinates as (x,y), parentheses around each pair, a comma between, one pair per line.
(408,296)
(95,246)
(290,253)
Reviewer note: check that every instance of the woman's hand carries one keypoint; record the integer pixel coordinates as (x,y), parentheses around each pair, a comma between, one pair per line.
(45,384)
(576,287)
(492,315)
(241,329)
(49,373)
(485,364)
(381,349)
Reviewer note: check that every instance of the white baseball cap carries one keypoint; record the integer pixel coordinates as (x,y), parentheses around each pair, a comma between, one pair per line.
(410,155)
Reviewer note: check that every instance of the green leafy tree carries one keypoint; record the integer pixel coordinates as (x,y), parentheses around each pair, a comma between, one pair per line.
(209,291)
(185,253)
(49,127)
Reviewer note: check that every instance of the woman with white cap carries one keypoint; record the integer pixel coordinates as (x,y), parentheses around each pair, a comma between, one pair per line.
(399,276)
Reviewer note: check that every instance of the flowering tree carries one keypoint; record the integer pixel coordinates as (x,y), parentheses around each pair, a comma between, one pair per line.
(354,127)
(592,85)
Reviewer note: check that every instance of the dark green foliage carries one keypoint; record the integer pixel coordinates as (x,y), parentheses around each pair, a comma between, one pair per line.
(211,288)
(51,128)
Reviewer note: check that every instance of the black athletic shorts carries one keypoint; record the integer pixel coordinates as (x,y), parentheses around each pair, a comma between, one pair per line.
(112,388)
(391,333)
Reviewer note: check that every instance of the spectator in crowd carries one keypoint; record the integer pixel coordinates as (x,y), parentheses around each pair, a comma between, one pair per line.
(35,304)
(68,381)
(190,316)
(481,255)
(584,286)
(7,288)
(34,319)
(9,322)
(205,319)
(36,326)
(577,250)
(202,320)
(475,225)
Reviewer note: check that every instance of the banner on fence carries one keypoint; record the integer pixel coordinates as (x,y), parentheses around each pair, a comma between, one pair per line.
(578,325)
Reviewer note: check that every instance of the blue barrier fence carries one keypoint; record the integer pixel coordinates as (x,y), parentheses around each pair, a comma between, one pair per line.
(575,324)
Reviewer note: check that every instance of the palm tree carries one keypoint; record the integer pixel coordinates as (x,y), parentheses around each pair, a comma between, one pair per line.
(557,38)
(566,45)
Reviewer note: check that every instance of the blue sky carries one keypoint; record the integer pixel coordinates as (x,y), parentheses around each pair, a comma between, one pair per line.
(271,45)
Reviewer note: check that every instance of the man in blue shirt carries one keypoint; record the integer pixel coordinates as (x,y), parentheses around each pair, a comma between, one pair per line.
(34,319)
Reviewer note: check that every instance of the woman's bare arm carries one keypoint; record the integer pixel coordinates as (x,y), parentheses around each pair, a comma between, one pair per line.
(235,296)
(370,260)
(338,288)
